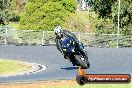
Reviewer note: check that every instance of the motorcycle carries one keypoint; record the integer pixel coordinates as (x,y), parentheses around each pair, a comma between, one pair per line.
(75,53)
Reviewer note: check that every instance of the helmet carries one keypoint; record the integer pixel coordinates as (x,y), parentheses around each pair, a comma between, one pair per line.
(57,29)
(58,32)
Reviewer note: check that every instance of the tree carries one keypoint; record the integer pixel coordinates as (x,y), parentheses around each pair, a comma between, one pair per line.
(108,12)
(45,14)
(4,11)
(81,21)
(17,6)
(103,7)
(16,9)
(125,16)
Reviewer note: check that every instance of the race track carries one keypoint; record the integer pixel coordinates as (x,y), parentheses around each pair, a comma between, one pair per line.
(103,60)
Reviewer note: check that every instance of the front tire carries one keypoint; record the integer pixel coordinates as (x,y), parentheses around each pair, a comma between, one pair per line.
(82,63)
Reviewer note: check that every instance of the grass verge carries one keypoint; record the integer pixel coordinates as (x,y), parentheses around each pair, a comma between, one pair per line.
(8,67)
(63,84)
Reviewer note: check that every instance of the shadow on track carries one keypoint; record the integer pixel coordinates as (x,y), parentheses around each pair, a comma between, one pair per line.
(70,68)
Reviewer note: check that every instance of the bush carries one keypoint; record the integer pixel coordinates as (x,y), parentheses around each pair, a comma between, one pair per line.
(45,14)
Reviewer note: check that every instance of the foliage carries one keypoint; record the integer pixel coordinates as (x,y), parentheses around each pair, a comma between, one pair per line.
(105,26)
(103,7)
(82,21)
(125,16)
(108,13)
(17,8)
(45,14)
(5,11)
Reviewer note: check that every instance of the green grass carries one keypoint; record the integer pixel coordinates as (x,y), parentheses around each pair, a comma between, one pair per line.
(94,86)
(9,67)
(73,84)
(100,86)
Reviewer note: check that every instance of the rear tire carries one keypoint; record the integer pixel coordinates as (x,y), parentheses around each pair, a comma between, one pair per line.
(83,64)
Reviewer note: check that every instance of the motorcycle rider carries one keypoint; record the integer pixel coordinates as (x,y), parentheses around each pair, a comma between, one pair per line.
(61,35)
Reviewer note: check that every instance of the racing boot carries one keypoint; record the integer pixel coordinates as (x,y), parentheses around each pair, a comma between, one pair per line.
(88,64)
(65,56)
(73,63)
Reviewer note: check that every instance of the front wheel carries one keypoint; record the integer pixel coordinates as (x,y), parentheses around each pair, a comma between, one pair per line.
(83,63)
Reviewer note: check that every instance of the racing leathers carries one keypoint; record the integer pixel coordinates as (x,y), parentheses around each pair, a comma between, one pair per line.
(65,35)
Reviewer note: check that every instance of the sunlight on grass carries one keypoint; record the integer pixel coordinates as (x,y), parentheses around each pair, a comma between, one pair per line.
(8,66)
(95,86)
(75,85)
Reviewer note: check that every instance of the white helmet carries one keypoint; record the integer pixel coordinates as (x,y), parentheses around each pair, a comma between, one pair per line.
(58,32)
(57,29)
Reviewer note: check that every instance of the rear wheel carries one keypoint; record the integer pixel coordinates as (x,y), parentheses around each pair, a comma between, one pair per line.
(83,62)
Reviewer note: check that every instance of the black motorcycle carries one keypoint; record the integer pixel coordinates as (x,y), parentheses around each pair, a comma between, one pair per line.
(75,53)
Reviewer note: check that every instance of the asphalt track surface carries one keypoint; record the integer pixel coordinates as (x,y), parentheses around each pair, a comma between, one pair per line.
(103,61)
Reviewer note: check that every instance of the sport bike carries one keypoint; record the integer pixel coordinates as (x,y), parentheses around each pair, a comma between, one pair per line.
(75,52)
